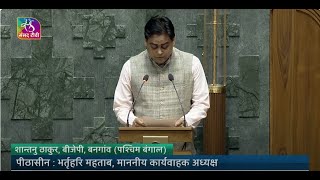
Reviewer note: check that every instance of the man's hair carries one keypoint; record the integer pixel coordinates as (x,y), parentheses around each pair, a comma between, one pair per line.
(159,25)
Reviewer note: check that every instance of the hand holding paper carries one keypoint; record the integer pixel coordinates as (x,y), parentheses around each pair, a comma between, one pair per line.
(150,122)
(179,122)
(138,122)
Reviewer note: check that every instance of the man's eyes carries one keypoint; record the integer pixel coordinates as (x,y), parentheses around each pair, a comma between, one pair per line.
(164,46)
(156,46)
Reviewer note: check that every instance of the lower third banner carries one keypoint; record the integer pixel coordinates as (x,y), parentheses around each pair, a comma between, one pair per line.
(156,162)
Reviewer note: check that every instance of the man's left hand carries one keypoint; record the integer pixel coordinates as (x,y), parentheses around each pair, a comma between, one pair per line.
(179,122)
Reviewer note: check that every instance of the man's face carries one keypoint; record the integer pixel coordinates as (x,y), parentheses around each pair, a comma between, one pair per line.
(160,47)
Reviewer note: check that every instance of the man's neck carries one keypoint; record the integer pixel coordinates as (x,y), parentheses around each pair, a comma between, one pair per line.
(162,64)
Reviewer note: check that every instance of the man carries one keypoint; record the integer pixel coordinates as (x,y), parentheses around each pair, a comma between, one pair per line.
(155,98)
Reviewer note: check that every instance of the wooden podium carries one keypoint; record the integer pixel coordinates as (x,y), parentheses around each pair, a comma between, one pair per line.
(174,134)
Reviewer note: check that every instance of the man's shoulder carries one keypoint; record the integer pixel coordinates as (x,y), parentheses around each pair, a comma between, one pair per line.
(138,56)
(182,52)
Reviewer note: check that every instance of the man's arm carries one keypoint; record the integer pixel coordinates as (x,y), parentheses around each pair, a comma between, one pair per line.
(200,97)
(123,97)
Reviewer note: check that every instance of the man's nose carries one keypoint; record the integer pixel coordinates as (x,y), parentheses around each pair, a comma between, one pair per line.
(160,51)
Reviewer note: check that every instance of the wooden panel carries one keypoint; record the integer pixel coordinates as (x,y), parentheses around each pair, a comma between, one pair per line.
(307,55)
(295,84)
(214,128)
(280,82)
(175,134)
(182,152)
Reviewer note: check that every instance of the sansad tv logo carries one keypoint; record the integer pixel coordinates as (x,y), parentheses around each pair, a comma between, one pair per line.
(28,28)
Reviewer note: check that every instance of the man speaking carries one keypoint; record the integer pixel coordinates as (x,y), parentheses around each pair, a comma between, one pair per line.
(161,86)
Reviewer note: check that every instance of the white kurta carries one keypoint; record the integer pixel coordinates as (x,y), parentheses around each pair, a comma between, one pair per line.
(200,98)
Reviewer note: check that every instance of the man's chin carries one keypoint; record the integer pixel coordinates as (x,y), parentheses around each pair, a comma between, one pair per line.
(158,61)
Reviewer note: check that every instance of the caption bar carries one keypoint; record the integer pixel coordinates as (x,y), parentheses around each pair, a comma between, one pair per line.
(155,162)
(94,149)
(140,157)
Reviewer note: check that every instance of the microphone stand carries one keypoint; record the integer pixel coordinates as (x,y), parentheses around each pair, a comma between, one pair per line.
(145,79)
(170,77)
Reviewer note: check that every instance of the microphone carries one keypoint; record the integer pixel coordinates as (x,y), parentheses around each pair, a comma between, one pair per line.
(145,79)
(170,77)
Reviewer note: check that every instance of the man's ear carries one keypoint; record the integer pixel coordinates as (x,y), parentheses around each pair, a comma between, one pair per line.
(174,41)
(145,43)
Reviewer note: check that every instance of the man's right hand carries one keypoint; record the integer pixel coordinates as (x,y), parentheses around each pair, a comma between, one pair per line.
(138,122)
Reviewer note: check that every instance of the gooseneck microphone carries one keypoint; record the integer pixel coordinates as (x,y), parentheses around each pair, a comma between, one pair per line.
(145,79)
(170,77)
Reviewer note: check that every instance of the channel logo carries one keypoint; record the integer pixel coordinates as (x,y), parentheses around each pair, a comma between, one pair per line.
(28,28)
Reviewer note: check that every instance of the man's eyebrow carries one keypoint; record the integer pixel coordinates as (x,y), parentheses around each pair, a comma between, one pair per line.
(160,44)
